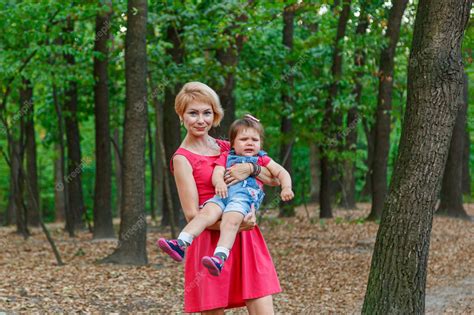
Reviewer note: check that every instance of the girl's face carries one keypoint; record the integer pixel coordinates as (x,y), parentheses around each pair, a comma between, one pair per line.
(247,142)
(198,118)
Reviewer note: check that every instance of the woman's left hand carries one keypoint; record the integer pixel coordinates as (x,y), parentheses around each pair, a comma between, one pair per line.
(237,172)
(250,221)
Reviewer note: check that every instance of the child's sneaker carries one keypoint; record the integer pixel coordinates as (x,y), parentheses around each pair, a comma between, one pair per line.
(214,264)
(172,248)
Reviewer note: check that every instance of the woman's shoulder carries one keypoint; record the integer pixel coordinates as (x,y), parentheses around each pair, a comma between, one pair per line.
(223,144)
(181,156)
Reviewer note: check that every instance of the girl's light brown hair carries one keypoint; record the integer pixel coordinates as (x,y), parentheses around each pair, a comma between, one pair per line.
(198,92)
(244,123)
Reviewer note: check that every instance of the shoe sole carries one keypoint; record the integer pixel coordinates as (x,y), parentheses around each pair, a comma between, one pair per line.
(209,264)
(167,249)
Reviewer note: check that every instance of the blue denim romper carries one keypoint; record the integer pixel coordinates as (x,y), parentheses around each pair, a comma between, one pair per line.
(244,193)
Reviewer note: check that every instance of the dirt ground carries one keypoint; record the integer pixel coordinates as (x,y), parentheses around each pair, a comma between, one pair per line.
(322,265)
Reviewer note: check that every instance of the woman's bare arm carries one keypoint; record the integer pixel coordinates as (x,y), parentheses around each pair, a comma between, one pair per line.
(241,171)
(187,190)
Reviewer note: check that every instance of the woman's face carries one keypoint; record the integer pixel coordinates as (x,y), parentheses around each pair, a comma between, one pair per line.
(198,118)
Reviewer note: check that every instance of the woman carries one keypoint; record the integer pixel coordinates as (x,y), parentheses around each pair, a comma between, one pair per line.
(250,278)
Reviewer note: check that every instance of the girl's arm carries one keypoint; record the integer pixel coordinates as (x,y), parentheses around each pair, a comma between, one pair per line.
(189,197)
(285,179)
(241,171)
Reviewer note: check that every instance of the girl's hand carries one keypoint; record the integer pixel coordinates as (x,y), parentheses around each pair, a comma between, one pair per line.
(249,222)
(238,172)
(221,190)
(287,194)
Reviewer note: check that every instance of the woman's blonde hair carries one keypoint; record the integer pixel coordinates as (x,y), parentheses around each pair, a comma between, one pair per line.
(199,92)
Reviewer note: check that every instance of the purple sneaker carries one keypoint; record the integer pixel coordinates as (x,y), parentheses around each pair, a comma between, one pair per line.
(172,248)
(214,264)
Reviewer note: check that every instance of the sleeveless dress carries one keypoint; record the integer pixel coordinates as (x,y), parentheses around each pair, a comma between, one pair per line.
(249,272)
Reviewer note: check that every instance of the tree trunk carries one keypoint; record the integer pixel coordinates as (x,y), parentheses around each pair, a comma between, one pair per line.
(229,59)
(466,175)
(370,137)
(73,178)
(287,209)
(118,170)
(329,121)
(103,227)
(160,167)
(132,237)
(451,188)
(62,186)
(397,278)
(348,177)
(152,170)
(171,125)
(31,168)
(384,106)
(59,202)
(314,169)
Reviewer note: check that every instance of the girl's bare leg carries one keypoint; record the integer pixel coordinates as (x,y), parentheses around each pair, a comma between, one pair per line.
(229,228)
(209,215)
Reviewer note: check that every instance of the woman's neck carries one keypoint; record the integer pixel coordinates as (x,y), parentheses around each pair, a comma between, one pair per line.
(205,145)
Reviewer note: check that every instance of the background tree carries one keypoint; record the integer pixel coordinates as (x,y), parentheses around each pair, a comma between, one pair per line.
(103,227)
(132,235)
(397,278)
(384,106)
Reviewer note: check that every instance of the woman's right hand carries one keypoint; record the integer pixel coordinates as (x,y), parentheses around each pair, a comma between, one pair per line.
(249,222)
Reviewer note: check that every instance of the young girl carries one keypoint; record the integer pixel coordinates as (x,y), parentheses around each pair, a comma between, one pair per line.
(231,203)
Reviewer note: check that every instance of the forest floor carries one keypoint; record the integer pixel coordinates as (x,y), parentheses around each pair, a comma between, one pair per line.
(323,267)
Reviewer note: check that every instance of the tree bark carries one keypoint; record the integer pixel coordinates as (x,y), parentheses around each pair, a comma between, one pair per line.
(160,166)
(330,122)
(451,188)
(348,176)
(73,178)
(31,167)
(132,237)
(397,278)
(287,209)
(103,227)
(384,107)
(171,125)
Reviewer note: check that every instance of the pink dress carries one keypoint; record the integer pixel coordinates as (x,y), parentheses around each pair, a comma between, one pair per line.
(249,272)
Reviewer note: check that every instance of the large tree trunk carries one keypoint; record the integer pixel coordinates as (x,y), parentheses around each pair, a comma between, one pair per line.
(397,278)
(59,202)
(73,178)
(171,126)
(384,106)
(451,188)
(330,122)
(348,176)
(103,227)
(31,167)
(132,237)
(287,209)
(466,175)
